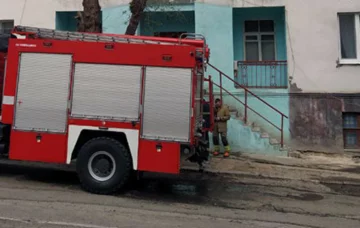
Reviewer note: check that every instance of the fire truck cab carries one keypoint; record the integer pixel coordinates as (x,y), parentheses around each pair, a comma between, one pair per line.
(114,104)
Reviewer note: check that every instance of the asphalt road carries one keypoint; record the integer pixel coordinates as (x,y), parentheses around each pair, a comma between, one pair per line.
(42,197)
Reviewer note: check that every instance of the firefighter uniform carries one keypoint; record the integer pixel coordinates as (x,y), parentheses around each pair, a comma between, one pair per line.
(222,115)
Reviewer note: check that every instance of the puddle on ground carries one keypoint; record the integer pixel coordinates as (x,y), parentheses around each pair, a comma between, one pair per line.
(307,197)
(355,170)
(348,189)
(190,190)
(171,190)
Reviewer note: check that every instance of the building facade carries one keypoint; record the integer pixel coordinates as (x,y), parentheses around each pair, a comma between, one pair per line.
(302,58)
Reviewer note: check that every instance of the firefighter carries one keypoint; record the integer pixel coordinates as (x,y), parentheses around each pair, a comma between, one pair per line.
(222,115)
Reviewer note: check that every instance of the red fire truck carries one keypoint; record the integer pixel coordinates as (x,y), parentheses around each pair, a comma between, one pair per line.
(115,104)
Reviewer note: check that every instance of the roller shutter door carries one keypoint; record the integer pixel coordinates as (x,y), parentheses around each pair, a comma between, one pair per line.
(42,92)
(167,104)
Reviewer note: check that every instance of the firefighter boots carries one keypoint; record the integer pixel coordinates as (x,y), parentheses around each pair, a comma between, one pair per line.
(216,150)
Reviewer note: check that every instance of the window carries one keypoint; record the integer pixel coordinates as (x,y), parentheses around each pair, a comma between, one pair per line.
(169,34)
(259,38)
(6,26)
(351,128)
(349,38)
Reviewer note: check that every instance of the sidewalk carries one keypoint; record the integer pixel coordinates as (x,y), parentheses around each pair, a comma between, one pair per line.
(319,168)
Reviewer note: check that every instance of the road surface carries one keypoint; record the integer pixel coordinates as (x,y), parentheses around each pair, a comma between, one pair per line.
(42,197)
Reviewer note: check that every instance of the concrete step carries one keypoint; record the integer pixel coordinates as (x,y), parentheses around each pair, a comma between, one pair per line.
(274,141)
(254,127)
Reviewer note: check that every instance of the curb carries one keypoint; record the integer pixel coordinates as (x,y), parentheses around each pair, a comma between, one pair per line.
(260,176)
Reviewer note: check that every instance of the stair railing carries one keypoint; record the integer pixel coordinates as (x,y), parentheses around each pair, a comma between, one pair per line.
(245,103)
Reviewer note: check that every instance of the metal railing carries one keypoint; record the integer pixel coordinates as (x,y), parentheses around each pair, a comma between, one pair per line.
(261,74)
(245,102)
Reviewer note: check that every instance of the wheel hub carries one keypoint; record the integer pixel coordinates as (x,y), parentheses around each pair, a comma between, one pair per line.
(101,166)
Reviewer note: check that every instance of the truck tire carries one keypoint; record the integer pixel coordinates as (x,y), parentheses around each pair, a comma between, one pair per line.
(103,165)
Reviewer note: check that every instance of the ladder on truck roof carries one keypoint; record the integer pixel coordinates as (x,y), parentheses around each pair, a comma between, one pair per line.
(196,40)
(94,37)
(43,33)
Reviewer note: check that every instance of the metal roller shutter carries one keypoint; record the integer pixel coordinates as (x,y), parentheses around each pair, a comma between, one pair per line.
(167,104)
(42,92)
(106,91)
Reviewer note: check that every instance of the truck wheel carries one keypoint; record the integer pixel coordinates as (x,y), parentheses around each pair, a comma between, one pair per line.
(103,165)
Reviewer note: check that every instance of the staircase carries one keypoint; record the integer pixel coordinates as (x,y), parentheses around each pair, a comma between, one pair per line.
(245,135)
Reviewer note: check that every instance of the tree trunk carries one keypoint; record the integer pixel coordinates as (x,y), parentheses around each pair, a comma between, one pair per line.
(89,20)
(136,8)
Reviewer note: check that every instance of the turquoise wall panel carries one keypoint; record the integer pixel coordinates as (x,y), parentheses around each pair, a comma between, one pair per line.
(115,19)
(215,23)
(65,21)
(261,76)
(277,14)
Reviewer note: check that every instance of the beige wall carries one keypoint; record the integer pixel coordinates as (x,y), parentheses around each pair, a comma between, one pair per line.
(41,13)
(314,35)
